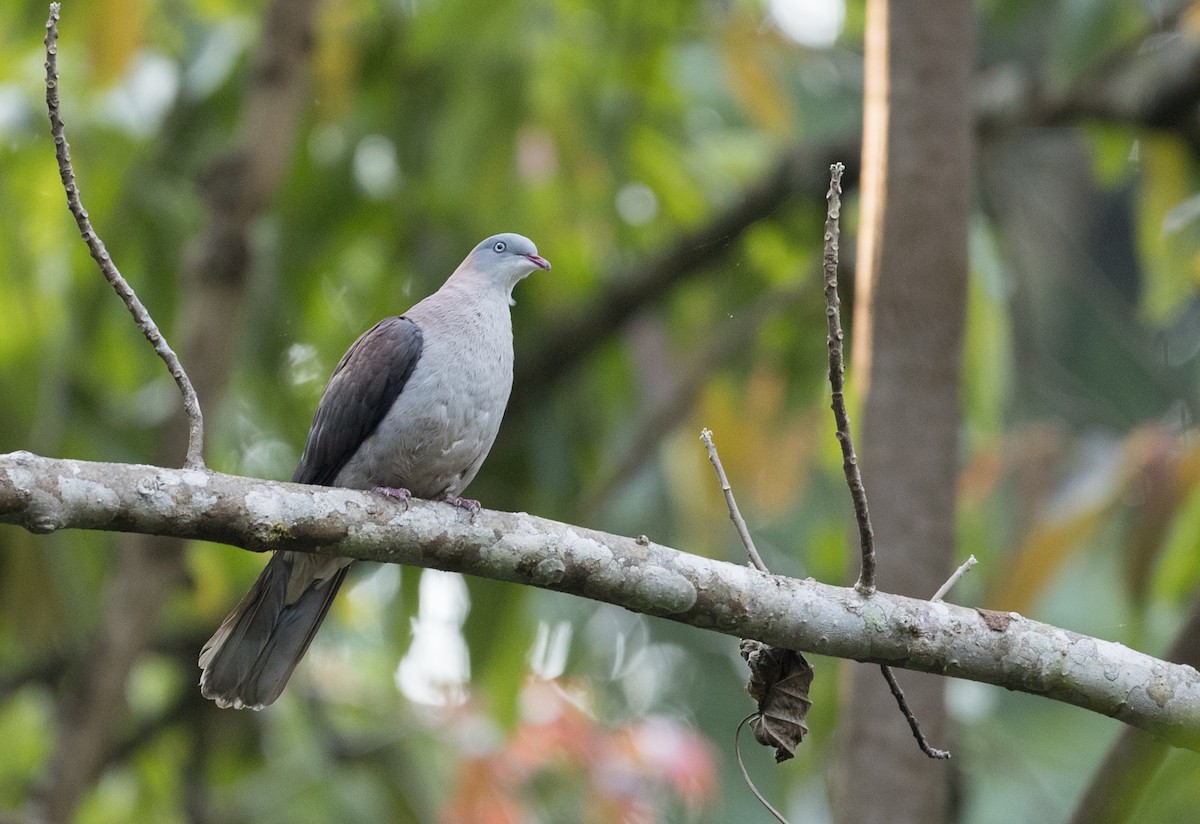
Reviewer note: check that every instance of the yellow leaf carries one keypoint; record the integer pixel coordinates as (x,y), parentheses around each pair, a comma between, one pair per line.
(1042,554)
(754,82)
(1152,463)
(115,32)
(335,65)
(1168,227)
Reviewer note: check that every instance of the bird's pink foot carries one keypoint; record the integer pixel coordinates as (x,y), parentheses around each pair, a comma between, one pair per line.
(399,493)
(469,504)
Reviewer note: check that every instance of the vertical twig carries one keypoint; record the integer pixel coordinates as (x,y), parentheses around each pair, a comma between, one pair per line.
(858,493)
(735,515)
(837,369)
(62,151)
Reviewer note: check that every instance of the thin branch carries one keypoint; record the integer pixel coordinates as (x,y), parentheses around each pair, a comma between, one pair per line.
(191,403)
(238,186)
(737,749)
(44,494)
(765,678)
(894,685)
(963,569)
(837,369)
(902,702)
(858,493)
(735,515)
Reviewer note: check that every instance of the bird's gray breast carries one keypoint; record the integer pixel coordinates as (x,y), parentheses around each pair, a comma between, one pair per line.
(435,436)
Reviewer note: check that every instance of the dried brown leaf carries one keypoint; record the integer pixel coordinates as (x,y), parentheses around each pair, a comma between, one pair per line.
(779,682)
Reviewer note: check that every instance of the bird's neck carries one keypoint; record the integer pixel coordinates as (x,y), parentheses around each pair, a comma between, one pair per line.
(478,287)
(464,304)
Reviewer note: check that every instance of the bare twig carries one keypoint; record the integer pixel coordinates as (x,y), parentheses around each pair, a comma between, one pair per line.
(858,493)
(735,514)
(898,694)
(766,672)
(894,685)
(746,775)
(191,403)
(953,579)
(837,369)
(239,185)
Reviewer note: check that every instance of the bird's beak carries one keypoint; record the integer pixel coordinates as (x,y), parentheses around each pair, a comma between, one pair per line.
(539,262)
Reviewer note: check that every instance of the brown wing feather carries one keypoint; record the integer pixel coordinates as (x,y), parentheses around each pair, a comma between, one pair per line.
(365,384)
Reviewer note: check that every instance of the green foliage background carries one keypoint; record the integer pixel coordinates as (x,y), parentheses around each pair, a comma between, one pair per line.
(605,131)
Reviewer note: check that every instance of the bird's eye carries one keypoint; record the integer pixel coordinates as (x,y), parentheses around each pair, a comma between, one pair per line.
(499,246)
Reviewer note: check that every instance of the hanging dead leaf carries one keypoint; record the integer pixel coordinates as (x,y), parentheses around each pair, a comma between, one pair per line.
(779,682)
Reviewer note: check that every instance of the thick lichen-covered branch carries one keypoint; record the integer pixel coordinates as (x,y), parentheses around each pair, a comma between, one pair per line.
(46,494)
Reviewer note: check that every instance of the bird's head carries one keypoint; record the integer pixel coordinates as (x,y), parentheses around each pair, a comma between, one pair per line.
(504,260)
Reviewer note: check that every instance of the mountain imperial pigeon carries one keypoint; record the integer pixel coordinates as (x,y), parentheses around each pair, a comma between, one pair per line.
(411,410)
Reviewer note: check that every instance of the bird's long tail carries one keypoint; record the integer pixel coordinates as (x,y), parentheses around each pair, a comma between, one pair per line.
(250,657)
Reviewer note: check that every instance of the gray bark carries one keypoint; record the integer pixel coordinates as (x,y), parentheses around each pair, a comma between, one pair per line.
(45,494)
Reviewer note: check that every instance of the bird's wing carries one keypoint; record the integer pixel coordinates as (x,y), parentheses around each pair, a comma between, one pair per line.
(363,388)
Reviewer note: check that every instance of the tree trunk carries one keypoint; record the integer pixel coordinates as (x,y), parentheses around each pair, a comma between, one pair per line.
(909,310)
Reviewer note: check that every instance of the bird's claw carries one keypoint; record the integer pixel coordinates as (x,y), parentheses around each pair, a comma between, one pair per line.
(469,504)
(399,493)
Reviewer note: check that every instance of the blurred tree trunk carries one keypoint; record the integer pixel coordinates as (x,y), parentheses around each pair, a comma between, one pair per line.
(909,309)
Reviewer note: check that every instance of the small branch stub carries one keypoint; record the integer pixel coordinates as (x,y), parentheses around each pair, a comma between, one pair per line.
(62,150)
(953,579)
(735,514)
(779,677)
(894,685)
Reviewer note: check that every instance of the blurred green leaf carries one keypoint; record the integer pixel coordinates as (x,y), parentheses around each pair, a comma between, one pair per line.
(1168,227)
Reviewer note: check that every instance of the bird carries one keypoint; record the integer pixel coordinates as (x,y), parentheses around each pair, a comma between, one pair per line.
(411,410)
